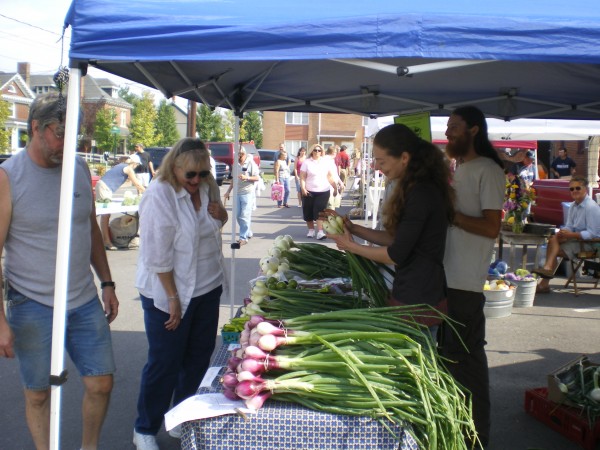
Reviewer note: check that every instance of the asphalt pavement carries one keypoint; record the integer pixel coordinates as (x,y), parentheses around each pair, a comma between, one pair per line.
(522,349)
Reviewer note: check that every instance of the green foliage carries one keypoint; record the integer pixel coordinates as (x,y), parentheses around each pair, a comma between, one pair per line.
(4,132)
(251,128)
(228,124)
(129,97)
(143,119)
(166,125)
(209,125)
(105,119)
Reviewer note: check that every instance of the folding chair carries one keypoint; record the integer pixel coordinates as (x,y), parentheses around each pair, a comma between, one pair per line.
(589,260)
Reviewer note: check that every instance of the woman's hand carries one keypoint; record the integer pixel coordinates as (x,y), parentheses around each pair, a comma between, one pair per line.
(344,241)
(217,212)
(304,192)
(348,224)
(174,314)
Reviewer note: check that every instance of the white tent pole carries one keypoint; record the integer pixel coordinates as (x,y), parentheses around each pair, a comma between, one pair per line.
(62,254)
(234,197)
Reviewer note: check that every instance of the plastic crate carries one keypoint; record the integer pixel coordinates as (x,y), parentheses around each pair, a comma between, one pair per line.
(230,337)
(568,421)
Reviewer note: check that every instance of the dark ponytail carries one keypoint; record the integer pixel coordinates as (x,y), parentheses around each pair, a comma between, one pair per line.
(483,147)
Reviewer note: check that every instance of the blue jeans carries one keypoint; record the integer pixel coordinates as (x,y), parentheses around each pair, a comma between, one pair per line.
(87,339)
(177,360)
(245,202)
(286,190)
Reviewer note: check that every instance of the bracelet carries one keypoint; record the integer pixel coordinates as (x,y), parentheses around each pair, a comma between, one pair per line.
(107,284)
(175,297)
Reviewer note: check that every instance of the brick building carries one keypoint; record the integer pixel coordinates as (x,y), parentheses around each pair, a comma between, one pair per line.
(20,89)
(305,129)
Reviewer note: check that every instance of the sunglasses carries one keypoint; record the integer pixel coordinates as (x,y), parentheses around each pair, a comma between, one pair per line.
(317,150)
(201,174)
(576,188)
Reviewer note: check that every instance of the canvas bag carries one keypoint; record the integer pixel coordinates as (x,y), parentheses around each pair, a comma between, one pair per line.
(122,230)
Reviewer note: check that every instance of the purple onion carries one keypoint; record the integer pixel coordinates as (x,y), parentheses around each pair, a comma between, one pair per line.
(229,380)
(233,362)
(248,389)
(258,400)
(230,394)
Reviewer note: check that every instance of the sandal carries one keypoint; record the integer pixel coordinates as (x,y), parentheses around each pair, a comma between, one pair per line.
(109,247)
(544,273)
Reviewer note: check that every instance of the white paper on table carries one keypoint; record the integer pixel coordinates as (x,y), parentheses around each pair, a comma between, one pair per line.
(203,406)
(209,376)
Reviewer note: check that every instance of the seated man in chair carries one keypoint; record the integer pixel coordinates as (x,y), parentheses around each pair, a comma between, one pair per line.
(583,223)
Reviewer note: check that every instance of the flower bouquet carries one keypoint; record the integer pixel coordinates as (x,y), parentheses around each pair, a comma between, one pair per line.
(517,204)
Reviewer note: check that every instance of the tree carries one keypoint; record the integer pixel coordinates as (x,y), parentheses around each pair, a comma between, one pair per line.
(4,132)
(166,125)
(251,128)
(105,120)
(228,123)
(142,127)
(129,97)
(209,125)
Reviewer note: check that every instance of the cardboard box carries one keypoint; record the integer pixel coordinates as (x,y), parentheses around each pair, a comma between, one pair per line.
(562,375)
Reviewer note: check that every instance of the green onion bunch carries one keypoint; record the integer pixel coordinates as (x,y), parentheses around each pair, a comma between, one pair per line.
(376,362)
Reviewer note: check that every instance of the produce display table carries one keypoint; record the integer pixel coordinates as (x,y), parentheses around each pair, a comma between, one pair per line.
(288,426)
(524,239)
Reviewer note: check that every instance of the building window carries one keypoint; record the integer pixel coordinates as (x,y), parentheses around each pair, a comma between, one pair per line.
(295,118)
(365,121)
(291,147)
(123,119)
(11,89)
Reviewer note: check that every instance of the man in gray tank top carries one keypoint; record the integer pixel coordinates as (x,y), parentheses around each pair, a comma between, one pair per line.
(29,205)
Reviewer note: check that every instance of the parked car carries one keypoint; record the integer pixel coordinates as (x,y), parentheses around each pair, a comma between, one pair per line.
(158,153)
(223,172)
(224,151)
(267,159)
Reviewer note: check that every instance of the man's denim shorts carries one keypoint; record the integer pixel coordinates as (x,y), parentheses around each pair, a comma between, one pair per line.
(87,339)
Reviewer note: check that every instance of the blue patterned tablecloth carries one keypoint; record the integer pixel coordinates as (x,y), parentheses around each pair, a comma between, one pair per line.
(281,425)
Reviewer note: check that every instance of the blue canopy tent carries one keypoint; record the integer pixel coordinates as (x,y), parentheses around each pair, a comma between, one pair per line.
(512,58)
(536,59)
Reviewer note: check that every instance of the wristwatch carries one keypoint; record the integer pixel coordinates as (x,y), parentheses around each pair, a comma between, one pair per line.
(107,284)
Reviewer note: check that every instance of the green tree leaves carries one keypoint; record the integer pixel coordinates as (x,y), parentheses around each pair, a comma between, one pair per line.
(166,125)
(105,119)
(4,133)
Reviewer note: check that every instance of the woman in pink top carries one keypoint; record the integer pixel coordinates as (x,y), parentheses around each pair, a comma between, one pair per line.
(316,176)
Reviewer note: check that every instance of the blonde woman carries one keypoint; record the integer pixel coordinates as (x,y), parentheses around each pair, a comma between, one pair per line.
(180,285)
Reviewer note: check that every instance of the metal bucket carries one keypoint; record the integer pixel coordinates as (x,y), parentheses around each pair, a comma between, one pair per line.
(498,303)
(525,293)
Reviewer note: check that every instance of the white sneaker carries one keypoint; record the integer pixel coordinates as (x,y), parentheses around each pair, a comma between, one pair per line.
(175,432)
(144,441)
(311,233)
(321,235)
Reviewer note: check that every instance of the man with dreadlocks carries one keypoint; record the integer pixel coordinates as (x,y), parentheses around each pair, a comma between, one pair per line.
(479,184)
(29,204)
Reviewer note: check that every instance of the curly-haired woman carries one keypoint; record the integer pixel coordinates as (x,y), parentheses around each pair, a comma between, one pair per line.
(415,218)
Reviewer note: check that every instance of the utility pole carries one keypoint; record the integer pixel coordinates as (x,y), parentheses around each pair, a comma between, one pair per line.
(191,118)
